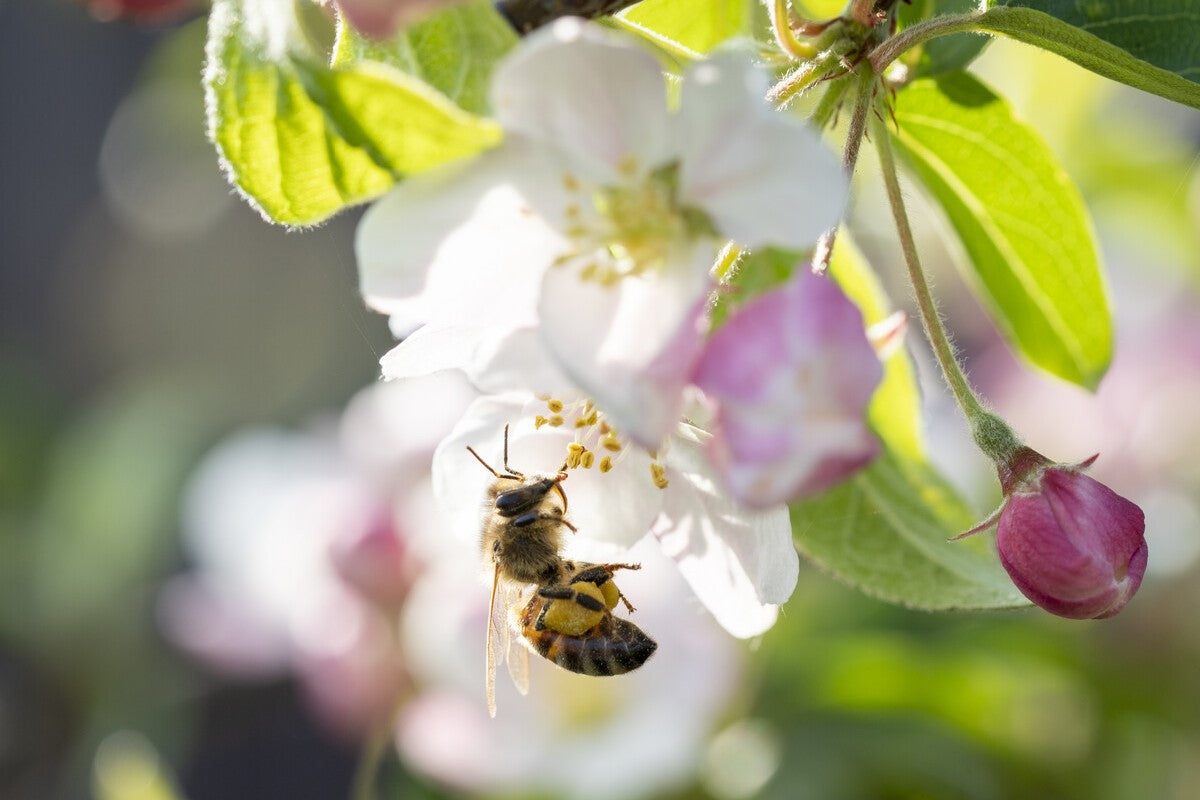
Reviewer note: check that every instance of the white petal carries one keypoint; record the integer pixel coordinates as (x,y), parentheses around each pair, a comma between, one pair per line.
(460,245)
(762,176)
(496,359)
(517,360)
(740,564)
(630,346)
(431,348)
(595,98)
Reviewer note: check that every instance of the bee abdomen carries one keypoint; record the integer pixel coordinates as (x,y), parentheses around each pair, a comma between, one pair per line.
(614,647)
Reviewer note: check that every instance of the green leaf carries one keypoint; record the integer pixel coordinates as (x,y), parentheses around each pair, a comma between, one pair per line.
(454,51)
(688,30)
(1153,45)
(1020,219)
(884,532)
(303,141)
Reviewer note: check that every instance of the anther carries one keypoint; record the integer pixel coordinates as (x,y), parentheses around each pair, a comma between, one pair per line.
(611,442)
(575,453)
(605,464)
(555,421)
(658,475)
(539,421)
(587,459)
(554,405)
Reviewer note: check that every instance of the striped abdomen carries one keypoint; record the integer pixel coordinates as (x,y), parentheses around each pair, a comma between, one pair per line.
(613,647)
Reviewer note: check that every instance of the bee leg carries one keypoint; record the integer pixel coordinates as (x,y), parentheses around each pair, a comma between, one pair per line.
(534,516)
(566,593)
(601,574)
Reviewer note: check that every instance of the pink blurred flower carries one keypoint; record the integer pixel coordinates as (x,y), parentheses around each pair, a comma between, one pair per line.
(380,19)
(1070,544)
(306,543)
(790,374)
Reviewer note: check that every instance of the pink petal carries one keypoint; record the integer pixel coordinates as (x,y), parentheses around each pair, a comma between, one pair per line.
(791,374)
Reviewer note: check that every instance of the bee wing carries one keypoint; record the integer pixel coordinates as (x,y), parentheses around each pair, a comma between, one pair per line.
(497,642)
(518,659)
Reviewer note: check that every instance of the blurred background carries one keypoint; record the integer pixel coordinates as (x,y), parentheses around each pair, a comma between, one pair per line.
(214,542)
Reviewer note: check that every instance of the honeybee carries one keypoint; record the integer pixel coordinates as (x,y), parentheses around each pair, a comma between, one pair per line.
(568,617)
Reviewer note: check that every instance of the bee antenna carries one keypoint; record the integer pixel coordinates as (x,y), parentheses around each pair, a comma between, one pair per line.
(479,458)
(507,468)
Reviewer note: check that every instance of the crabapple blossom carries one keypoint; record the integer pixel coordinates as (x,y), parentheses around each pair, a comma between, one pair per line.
(572,736)
(588,237)
(740,564)
(1070,544)
(790,375)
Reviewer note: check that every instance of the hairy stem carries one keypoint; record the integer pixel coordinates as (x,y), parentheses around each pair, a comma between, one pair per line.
(990,432)
(802,77)
(909,38)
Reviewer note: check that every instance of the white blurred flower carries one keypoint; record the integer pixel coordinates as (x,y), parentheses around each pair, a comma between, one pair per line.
(740,564)
(304,543)
(588,237)
(572,736)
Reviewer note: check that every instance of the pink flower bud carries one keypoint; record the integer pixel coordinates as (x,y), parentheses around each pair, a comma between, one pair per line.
(375,561)
(381,19)
(1070,544)
(149,11)
(790,374)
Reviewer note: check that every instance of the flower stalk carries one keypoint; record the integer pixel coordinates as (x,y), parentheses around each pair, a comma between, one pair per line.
(993,436)
(918,34)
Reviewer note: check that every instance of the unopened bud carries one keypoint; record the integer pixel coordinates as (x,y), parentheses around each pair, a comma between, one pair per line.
(1070,544)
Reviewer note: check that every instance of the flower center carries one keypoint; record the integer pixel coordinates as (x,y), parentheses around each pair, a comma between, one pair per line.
(630,228)
(596,443)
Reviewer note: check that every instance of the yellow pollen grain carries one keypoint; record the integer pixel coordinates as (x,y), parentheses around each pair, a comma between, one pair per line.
(555,406)
(658,475)
(539,421)
(587,459)
(606,464)
(555,421)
